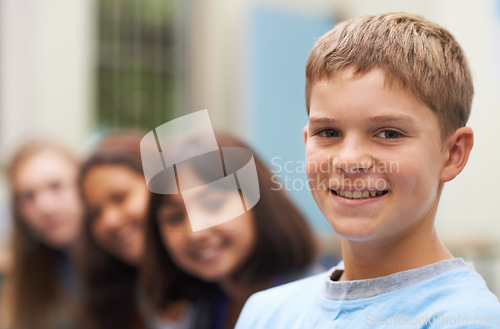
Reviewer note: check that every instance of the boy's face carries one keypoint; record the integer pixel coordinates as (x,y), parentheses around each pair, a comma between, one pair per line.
(374,157)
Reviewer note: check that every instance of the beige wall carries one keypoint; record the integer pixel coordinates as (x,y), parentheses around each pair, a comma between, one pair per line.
(45,77)
(45,70)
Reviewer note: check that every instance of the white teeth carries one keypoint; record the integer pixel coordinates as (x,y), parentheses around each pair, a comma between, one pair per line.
(358,194)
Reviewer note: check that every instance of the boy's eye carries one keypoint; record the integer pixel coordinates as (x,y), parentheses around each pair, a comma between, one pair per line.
(328,133)
(389,134)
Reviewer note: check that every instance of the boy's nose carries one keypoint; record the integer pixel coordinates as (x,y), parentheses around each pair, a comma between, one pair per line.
(353,156)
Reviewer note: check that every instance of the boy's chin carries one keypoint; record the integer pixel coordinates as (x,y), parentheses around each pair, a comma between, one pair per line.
(356,232)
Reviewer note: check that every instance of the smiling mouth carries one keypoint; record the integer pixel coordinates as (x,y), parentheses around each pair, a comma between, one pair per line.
(209,253)
(349,194)
(125,237)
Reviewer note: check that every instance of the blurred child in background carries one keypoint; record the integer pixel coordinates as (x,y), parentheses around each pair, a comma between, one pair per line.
(116,196)
(42,289)
(202,279)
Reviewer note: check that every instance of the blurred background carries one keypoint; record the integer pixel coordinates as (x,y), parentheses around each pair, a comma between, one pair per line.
(75,69)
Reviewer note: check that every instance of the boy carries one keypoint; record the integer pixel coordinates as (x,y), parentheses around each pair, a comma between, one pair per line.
(388,98)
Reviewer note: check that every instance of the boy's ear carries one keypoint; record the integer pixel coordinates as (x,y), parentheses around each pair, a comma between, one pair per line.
(304,134)
(458,147)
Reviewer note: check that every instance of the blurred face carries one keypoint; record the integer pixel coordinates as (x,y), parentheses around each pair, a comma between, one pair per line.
(211,254)
(374,157)
(117,198)
(48,199)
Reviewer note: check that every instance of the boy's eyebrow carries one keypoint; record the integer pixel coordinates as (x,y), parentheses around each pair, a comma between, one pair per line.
(377,118)
(391,118)
(321,120)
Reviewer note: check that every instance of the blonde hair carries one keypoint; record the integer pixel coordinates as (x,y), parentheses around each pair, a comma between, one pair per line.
(32,295)
(417,53)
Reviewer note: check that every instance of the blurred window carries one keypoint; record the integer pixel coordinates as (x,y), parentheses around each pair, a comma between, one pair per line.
(139,66)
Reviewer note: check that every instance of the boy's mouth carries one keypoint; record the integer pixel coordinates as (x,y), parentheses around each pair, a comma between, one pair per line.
(365,194)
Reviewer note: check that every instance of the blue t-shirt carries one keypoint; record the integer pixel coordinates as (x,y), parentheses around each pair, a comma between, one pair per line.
(447,294)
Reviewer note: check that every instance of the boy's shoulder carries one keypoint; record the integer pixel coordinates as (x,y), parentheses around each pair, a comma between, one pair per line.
(455,298)
(454,293)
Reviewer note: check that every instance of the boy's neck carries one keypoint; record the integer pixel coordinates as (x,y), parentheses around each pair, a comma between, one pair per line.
(367,260)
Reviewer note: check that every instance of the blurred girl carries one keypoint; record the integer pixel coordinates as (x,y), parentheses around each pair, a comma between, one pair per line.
(115,192)
(202,279)
(41,288)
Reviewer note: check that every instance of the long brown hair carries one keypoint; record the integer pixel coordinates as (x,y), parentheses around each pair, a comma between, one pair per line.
(285,244)
(33,293)
(109,284)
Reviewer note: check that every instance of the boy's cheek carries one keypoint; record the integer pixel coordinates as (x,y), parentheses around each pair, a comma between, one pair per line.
(317,170)
(310,162)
